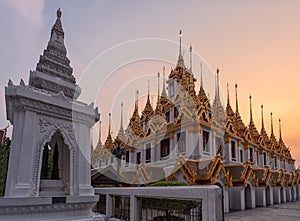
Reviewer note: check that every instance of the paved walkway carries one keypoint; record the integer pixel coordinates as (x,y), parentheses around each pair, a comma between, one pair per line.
(279,212)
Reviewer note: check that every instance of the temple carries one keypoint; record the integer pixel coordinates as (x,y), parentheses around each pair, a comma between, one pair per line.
(188,138)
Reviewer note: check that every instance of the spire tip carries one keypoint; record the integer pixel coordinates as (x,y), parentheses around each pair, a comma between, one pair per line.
(58,13)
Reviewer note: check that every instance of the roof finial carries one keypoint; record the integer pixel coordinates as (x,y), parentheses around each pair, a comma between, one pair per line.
(158,75)
(164,93)
(58,13)
(180,62)
(272,133)
(191,57)
(250,99)
(201,75)
(99,131)
(180,36)
(148,88)
(280,129)
(109,123)
(236,99)
(228,102)
(262,117)
(217,93)
(122,115)
(136,99)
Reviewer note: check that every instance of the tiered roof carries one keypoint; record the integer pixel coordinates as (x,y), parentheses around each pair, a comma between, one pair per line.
(197,107)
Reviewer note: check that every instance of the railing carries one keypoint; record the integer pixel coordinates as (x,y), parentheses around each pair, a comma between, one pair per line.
(161,203)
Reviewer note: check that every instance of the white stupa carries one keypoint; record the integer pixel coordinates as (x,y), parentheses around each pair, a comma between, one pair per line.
(49,165)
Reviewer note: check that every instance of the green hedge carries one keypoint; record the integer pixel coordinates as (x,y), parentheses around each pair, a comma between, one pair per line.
(168,183)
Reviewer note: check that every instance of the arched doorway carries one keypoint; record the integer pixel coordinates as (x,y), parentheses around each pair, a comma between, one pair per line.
(55,167)
(223,198)
(248,197)
(269,195)
(282,194)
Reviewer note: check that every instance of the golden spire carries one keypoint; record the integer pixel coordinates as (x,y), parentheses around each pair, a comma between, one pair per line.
(191,58)
(229,110)
(148,109)
(263,132)
(109,141)
(236,99)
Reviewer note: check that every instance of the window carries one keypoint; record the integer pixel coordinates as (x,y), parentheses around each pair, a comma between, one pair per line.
(167,114)
(127,157)
(138,158)
(172,89)
(275,162)
(176,112)
(241,156)
(164,148)
(233,150)
(251,155)
(284,164)
(181,142)
(148,152)
(265,158)
(146,125)
(257,158)
(219,145)
(205,138)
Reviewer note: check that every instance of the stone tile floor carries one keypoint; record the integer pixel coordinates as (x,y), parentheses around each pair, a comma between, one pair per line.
(279,212)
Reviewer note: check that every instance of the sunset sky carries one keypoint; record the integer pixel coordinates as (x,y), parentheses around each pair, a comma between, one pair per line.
(254,43)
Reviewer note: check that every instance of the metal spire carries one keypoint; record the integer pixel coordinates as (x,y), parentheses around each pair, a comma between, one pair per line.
(180,36)
(250,99)
(180,62)
(164,93)
(217,93)
(201,75)
(99,132)
(136,99)
(121,115)
(109,122)
(228,102)
(158,75)
(262,117)
(280,129)
(236,100)
(148,88)
(272,133)
(218,83)
(191,58)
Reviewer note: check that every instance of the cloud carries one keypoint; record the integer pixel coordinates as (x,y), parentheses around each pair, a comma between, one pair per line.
(30,10)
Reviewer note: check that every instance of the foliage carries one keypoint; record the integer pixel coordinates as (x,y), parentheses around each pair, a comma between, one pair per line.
(168,183)
(170,204)
(4,156)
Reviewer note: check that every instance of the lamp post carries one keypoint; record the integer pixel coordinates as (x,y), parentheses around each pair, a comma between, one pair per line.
(118,152)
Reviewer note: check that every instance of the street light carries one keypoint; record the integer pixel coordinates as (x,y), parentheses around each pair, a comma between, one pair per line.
(118,152)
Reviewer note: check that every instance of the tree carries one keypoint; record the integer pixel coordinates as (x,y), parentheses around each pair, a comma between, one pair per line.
(4,156)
